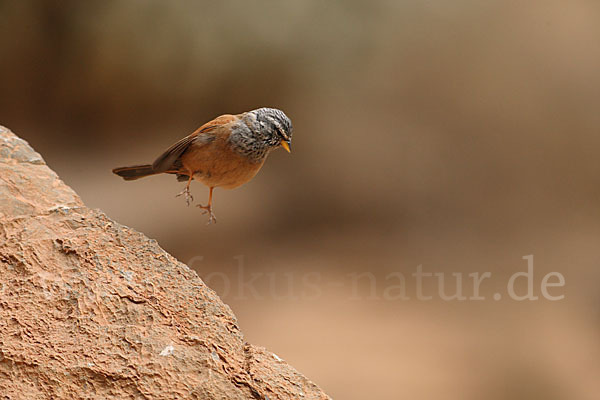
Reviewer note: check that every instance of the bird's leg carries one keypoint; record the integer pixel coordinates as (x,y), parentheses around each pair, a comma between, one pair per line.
(208,208)
(186,192)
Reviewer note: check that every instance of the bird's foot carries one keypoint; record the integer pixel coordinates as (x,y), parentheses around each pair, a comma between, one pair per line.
(208,210)
(188,196)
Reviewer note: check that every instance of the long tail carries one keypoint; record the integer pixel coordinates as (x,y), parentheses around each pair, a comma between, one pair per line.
(134,172)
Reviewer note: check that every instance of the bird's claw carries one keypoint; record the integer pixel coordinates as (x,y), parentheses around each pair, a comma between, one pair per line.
(188,196)
(208,210)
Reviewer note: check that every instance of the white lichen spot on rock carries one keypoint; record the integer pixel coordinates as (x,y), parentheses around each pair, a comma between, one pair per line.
(127,274)
(167,351)
(60,207)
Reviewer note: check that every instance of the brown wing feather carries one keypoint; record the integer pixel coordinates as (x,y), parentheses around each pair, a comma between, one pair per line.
(201,136)
(166,160)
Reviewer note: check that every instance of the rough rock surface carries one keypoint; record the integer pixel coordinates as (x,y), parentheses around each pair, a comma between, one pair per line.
(92,309)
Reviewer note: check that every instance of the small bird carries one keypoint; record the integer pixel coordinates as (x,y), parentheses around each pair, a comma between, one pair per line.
(225,152)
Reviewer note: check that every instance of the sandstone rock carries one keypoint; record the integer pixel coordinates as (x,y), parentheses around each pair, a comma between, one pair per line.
(93,309)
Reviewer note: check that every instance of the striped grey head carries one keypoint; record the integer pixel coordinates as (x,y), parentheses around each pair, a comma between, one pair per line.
(264,129)
(276,127)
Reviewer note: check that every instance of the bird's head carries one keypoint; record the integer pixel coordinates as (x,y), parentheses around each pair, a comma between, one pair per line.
(275,127)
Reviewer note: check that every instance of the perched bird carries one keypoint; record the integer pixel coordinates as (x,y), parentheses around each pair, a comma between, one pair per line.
(225,152)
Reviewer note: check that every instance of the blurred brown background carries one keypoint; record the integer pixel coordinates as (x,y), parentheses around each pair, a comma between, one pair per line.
(458,135)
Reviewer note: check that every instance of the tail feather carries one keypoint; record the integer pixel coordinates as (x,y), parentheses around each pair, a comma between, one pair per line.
(134,172)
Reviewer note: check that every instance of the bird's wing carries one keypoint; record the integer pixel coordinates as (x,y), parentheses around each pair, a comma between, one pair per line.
(202,136)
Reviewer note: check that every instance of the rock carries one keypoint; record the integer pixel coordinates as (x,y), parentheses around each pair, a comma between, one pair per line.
(93,309)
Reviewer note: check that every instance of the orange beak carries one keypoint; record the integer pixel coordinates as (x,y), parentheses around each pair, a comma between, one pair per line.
(286,146)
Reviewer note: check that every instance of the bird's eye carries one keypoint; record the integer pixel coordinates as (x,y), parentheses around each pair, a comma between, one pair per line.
(281,134)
